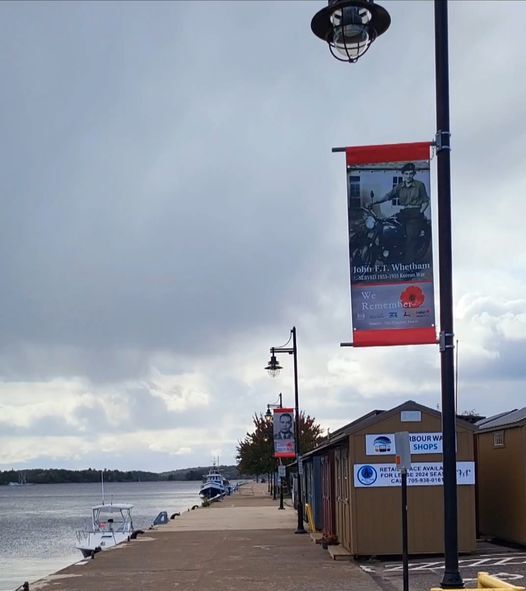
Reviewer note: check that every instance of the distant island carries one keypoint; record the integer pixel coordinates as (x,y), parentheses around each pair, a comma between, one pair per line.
(59,476)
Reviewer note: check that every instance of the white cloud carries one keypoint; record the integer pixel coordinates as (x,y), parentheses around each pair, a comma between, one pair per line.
(179,392)
(20,450)
(513,326)
(23,403)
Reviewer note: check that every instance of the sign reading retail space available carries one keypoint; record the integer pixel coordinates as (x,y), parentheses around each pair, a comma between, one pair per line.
(420,474)
(390,245)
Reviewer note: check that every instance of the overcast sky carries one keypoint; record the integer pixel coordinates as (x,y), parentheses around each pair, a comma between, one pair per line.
(171,208)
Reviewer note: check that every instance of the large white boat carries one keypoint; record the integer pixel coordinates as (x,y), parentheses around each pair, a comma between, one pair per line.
(110,525)
(215,486)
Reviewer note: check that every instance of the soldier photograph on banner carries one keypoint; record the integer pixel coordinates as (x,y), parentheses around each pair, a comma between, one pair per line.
(283,424)
(390,244)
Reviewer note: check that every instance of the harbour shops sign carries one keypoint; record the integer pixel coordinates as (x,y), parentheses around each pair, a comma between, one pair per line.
(420,474)
(383,444)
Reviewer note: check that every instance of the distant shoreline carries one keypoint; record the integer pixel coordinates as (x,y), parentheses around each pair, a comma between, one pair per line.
(60,476)
(21,485)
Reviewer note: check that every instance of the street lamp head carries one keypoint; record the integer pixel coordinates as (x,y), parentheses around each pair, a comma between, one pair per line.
(350,26)
(273,366)
(268,414)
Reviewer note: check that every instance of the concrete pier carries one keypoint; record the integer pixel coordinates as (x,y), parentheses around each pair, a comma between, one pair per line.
(242,543)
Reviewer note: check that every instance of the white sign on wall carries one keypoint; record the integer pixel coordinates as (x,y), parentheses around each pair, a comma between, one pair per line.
(420,474)
(411,416)
(383,444)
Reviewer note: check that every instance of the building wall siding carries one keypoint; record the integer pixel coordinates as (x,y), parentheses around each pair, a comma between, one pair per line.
(502,485)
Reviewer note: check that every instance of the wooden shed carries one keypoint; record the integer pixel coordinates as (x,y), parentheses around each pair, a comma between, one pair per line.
(366,492)
(317,483)
(501,478)
(323,485)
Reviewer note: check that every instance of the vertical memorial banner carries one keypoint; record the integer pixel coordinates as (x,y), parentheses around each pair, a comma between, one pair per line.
(284,433)
(390,245)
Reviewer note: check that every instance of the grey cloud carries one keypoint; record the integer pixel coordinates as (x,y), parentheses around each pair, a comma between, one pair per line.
(506,367)
(106,261)
(168,186)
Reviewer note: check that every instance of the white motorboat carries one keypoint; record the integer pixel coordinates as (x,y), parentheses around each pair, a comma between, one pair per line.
(214,486)
(111,524)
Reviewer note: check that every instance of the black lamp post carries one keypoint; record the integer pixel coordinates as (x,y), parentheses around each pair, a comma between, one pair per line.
(268,414)
(349,27)
(273,368)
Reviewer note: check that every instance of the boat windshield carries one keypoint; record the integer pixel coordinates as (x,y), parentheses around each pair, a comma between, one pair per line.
(112,517)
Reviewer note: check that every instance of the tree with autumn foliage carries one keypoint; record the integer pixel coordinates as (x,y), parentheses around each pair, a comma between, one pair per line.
(255,453)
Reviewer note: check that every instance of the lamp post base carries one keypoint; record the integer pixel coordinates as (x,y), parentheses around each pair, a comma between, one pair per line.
(452,580)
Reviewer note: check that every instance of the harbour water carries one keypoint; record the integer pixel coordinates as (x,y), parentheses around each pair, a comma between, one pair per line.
(38,522)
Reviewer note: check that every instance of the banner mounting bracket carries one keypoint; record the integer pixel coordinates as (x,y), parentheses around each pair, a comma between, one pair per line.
(446,341)
(442,141)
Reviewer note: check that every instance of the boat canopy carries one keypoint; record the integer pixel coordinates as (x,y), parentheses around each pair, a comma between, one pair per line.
(117,508)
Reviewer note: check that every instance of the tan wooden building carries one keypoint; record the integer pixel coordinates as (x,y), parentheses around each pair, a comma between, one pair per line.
(366,491)
(501,465)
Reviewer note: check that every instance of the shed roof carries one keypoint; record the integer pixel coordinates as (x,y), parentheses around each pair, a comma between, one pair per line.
(372,417)
(409,405)
(339,435)
(511,418)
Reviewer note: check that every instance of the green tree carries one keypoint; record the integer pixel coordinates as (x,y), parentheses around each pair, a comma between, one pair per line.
(255,451)
(472,416)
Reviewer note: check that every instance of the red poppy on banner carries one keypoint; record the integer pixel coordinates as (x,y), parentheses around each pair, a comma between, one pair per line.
(412,297)
(390,245)
(284,446)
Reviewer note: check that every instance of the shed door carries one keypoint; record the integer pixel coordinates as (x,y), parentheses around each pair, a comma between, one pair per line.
(343,513)
(327,496)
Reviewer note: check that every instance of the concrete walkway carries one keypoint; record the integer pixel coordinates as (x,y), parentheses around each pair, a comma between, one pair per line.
(244,543)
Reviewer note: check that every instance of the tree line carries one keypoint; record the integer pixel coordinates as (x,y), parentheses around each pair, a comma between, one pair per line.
(61,476)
